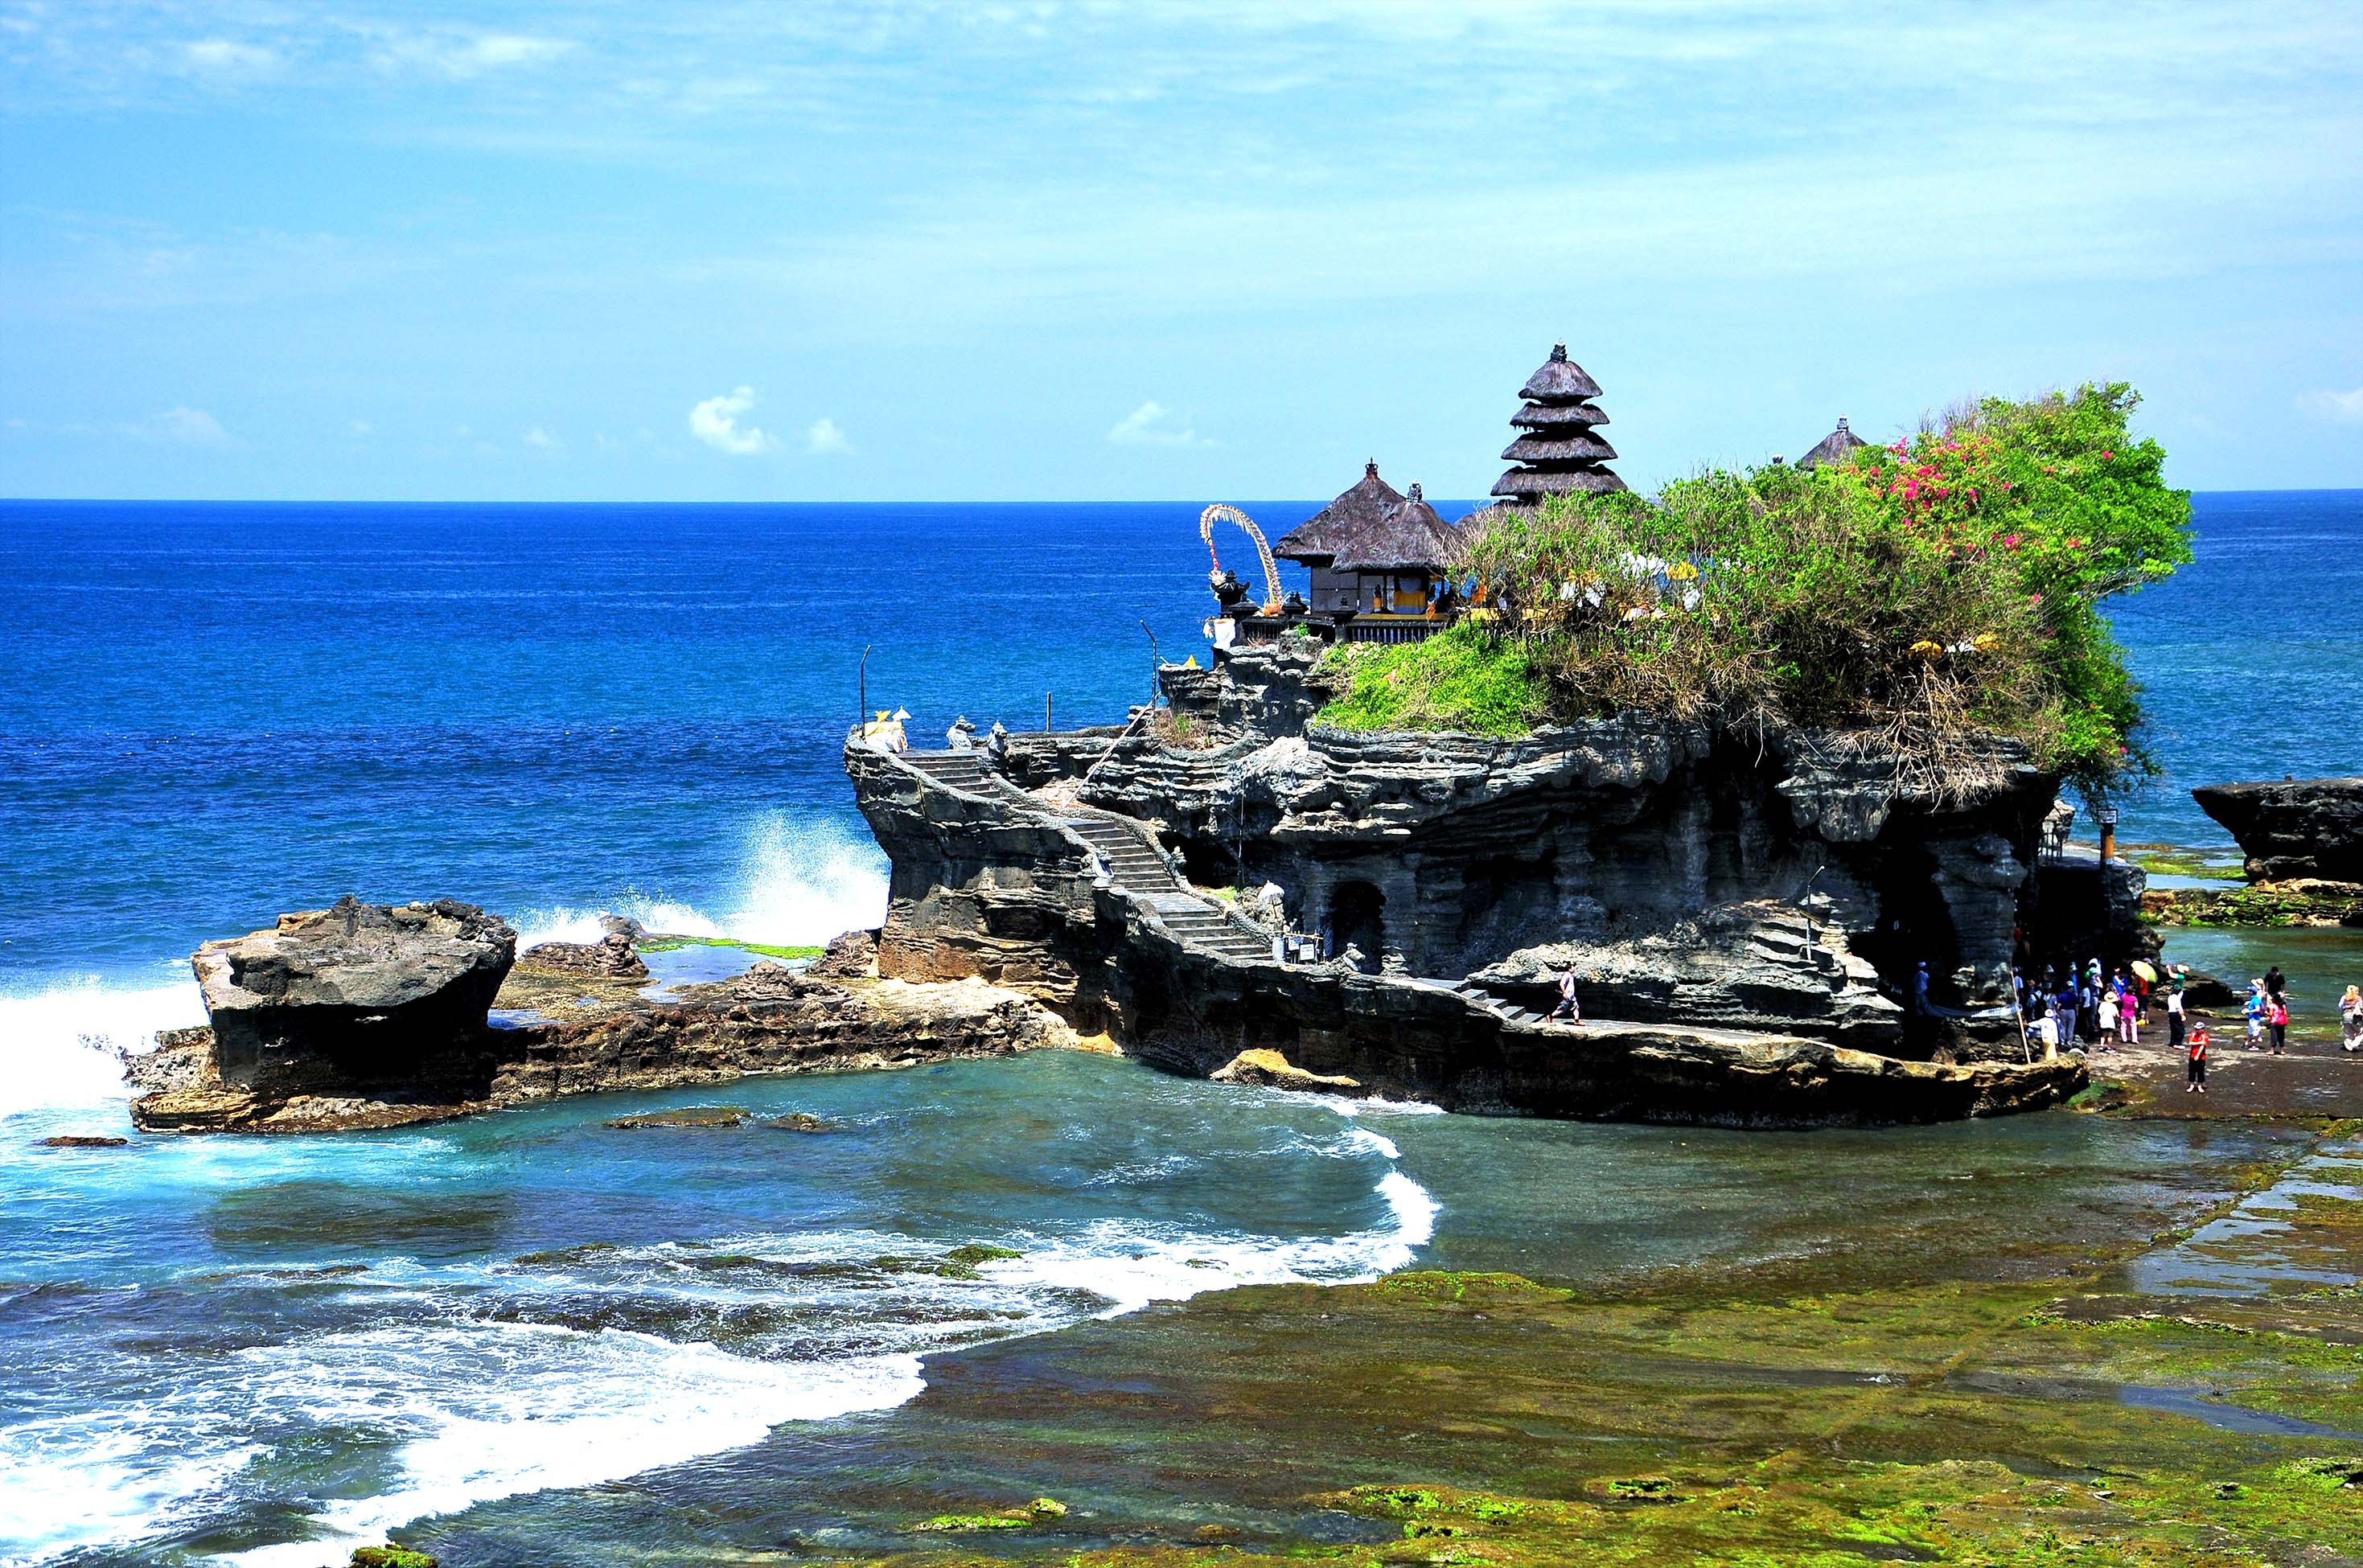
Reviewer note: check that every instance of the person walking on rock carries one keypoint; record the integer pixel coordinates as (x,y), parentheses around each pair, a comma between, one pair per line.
(2174,1016)
(2254,1011)
(1567,1008)
(2277,1019)
(2108,1019)
(2350,1019)
(2196,1079)
(2129,1011)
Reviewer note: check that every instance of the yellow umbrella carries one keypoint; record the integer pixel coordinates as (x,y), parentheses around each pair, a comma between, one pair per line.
(2144,971)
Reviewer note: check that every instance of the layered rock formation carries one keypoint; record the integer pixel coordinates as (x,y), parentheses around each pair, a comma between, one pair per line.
(1451,852)
(1038,890)
(355,993)
(612,957)
(2300,828)
(1762,965)
(298,1046)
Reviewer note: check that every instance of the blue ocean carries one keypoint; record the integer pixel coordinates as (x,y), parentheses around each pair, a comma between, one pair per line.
(271,1349)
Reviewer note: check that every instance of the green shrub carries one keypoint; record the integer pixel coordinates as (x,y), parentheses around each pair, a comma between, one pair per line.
(1464,678)
(1919,594)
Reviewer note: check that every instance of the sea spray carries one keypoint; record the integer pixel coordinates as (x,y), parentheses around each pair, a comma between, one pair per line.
(800,881)
(806,881)
(63,1046)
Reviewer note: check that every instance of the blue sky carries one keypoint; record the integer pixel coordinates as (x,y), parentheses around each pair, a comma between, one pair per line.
(910,250)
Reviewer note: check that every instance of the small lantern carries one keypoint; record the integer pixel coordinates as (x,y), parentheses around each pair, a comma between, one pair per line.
(2107,817)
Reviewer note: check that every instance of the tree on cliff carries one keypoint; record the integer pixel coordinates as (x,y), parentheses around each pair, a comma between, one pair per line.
(1912,598)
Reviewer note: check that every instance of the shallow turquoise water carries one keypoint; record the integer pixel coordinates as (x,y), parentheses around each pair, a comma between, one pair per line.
(251,1346)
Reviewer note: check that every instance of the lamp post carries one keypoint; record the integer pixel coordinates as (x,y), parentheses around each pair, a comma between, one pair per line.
(2107,817)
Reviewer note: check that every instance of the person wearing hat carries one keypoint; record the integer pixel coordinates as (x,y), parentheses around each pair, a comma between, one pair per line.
(2174,1014)
(2195,1080)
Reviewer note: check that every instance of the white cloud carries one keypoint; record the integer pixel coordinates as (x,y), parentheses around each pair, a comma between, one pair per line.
(540,440)
(359,427)
(192,425)
(461,58)
(229,57)
(715,423)
(1147,426)
(2344,407)
(826,437)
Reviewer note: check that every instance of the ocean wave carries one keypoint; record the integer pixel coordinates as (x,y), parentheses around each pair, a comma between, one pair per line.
(800,882)
(63,1046)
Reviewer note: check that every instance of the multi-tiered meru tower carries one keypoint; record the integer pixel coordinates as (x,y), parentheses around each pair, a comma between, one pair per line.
(1557,451)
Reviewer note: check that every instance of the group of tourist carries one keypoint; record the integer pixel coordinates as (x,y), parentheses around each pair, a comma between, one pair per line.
(2080,1006)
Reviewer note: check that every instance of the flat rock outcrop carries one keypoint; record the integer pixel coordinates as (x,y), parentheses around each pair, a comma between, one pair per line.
(613,957)
(2296,829)
(354,994)
(1760,966)
(770,1020)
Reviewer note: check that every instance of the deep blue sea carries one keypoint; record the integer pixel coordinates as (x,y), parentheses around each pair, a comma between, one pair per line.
(216,713)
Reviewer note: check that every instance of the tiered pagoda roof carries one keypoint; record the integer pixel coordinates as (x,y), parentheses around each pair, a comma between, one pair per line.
(1834,447)
(1373,527)
(1557,452)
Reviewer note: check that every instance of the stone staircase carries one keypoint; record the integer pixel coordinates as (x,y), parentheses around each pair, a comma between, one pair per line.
(962,770)
(1501,1007)
(1134,862)
(1142,872)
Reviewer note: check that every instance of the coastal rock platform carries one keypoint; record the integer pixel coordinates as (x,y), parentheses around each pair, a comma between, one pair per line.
(585,1032)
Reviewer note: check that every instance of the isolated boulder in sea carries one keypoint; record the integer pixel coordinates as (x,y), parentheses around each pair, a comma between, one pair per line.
(2296,828)
(354,994)
(1270,1069)
(613,957)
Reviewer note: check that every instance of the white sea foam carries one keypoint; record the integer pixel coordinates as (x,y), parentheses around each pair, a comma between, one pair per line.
(478,1410)
(799,883)
(805,882)
(61,1047)
(498,1409)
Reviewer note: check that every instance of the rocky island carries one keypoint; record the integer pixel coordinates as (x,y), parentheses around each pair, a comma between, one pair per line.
(1767,768)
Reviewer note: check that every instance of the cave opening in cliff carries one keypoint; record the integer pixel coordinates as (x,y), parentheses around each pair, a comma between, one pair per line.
(1358,918)
(1914,926)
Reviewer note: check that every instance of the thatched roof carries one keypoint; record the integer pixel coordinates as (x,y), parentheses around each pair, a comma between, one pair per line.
(1535,481)
(1834,447)
(1373,527)
(1561,456)
(1560,379)
(1314,541)
(1551,415)
(1566,445)
(1409,536)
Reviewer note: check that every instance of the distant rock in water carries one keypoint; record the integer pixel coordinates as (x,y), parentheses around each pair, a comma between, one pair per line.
(687,1116)
(611,958)
(2297,828)
(364,1016)
(83,1140)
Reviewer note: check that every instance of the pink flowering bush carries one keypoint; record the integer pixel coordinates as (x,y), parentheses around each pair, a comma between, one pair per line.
(1946,583)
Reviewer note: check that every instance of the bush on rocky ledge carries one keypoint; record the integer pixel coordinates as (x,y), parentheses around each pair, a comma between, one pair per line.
(1925,593)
